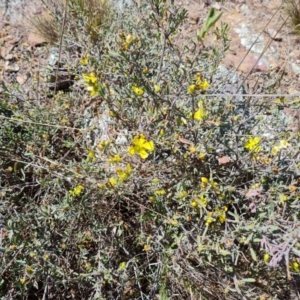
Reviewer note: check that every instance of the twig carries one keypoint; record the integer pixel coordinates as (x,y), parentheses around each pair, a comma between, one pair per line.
(263,52)
(46,288)
(60,45)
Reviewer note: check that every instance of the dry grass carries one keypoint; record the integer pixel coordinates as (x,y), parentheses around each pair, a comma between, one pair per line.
(93,13)
(293,10)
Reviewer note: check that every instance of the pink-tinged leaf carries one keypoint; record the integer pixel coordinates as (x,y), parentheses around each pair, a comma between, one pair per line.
(224,160)
(252,207)
(185,141)
(251,193)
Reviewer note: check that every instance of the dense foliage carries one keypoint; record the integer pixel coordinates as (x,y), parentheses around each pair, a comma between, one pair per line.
(145,180)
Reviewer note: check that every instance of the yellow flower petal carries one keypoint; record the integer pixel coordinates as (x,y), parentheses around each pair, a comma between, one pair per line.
(157,88)
(204,85)
(131,150)
(143,154)
(192,89)
(201,113)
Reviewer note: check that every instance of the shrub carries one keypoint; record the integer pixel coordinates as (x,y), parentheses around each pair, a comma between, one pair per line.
(151,181)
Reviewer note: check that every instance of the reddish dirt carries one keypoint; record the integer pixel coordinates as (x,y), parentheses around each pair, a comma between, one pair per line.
(264,18)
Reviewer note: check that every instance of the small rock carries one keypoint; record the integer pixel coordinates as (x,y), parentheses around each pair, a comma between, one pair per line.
(12,68)
(274,34)
(274,64)
(250,60)
(245,9)
(9,57)
(21,78)
(292,91)
(4,51)
(194,16)
(295,54)
(295,68)
(35,40)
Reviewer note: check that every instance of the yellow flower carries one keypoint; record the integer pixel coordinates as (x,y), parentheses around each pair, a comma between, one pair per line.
(282,198)
(204,180)
(283,144)
(200,247)
(221,214)
(23,281)
(92,81)
(122,265)
(124,174)
(78,189)
(160,192)
(13,247)
(141,146)
(93,89)
(194,204)
(129,39)
(252,144)
(84,61)
(112,114)
(151,198)
(266,258)
(201,84)
(295,266)
(192,149)
(255,185)
(202,155)
(155,180)
(275,150)
(90,78)
(209,218)
(204,85)
(201,113)
(203,200)
(222,217)
(174,222)
(112,181)
(182,194)
(280,100)
(102,144)
(147,248)
(221,196)
(91,157)
(192,89)
(115,159)
(32,254)
(157,88)
(198,78)
(29,269)
(101,186)
(139,91)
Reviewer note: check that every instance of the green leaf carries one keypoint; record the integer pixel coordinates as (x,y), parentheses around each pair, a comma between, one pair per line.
(253,254)
(211,20)
(224,252)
